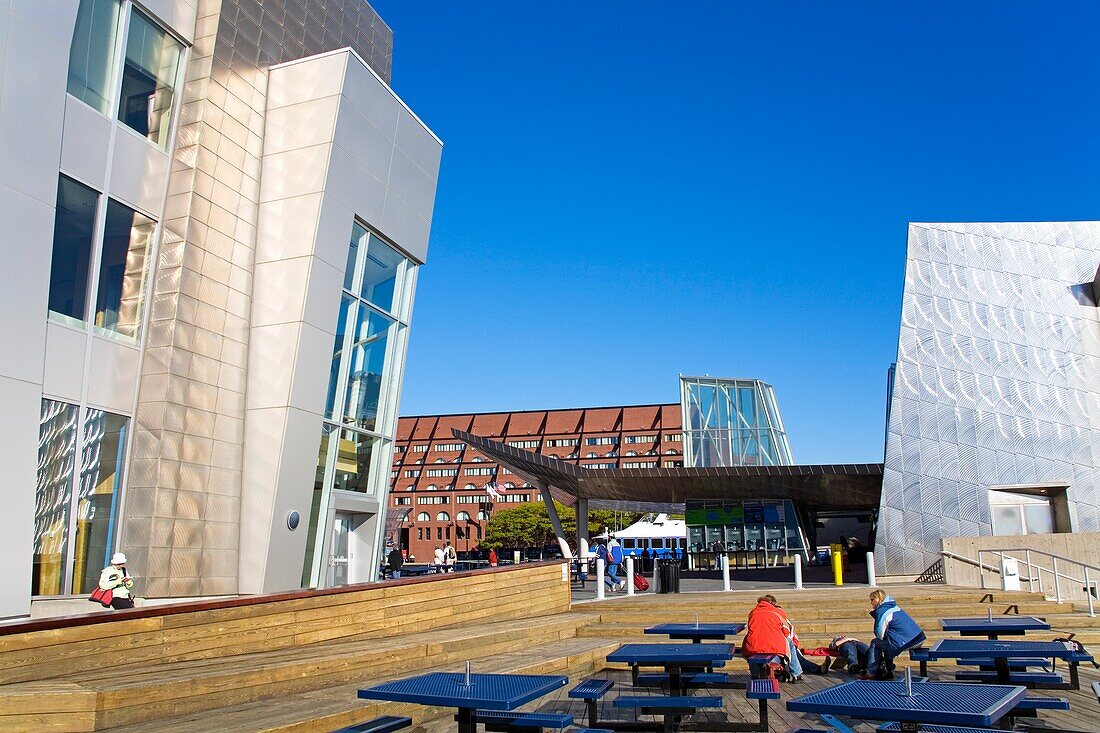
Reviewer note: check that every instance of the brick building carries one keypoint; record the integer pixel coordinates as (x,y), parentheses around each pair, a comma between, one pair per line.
(438,483)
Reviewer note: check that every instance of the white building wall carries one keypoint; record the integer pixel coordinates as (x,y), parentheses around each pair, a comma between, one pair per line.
(34,50)
(326,162)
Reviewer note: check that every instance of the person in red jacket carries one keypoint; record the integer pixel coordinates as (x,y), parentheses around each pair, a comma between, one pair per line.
(767,629)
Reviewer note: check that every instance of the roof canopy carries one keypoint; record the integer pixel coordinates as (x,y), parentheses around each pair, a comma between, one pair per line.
(845,486)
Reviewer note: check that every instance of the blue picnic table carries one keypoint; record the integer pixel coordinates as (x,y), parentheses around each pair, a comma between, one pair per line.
(484,692)
(1001,651)
(697,632)
(674,658)
(995,626)
(943,703)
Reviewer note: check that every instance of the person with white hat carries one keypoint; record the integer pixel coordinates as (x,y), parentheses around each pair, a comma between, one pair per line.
(115,579)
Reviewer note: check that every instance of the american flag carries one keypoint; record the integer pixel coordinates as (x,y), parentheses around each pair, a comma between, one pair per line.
(493,490)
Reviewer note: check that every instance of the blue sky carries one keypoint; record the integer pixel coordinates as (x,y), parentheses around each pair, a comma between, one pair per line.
(631,190)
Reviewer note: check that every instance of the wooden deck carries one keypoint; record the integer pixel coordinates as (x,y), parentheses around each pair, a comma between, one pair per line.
(293,665)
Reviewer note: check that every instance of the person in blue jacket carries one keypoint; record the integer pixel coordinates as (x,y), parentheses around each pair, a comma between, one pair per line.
(895,631)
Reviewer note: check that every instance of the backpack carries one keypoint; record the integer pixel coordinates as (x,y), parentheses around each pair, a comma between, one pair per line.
(616,555)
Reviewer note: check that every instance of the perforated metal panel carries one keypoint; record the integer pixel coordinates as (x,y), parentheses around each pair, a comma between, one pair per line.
(997,381)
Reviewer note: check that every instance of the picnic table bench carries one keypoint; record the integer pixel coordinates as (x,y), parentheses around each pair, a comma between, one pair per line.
(1002,651)
(381,724)
(671,708)
(519,721)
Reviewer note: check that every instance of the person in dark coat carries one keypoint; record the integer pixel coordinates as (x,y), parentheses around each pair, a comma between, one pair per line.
(395,560)
(646,566)
(852,653)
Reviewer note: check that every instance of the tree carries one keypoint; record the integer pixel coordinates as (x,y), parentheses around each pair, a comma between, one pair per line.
(528,525)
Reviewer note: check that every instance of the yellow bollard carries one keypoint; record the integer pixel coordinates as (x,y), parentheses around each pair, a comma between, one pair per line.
(838,565)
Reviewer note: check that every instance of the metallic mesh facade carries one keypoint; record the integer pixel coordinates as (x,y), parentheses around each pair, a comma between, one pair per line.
(997,381)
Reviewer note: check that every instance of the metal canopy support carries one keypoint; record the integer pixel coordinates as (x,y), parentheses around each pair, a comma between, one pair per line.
(555,522)
(582,528)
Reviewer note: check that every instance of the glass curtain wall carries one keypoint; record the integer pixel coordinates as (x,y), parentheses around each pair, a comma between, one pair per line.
(76,508)
(364,376)
(92,55)
(731,422)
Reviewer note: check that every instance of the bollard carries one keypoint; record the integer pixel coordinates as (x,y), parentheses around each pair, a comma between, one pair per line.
(838,568)
(599,578)
(871,579)
(630,575)
(724,561)
(798,571)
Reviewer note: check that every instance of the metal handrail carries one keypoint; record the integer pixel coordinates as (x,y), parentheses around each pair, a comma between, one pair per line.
(1035,572)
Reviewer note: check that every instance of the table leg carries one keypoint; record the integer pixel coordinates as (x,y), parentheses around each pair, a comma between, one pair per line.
(1004,675)
(467,720)
(1074,679)
(676,680)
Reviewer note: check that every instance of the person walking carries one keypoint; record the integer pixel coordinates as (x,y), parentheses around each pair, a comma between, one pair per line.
(449,558)
(437,560)
(395,561)
(493,560)
(116,579)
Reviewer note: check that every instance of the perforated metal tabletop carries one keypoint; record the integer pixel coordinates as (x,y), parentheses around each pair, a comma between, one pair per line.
(981,648)
(980,625)
(449,689)
(669,654)
(697,631)
(948,703)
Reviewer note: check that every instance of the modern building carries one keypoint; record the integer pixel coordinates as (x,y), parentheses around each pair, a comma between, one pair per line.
(215,212)
(732,422)
(439,483)
(994,415)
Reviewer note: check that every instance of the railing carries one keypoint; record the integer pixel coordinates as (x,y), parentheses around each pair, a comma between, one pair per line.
(1035,571)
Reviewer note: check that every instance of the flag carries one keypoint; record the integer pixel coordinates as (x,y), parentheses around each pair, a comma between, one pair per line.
(493,490)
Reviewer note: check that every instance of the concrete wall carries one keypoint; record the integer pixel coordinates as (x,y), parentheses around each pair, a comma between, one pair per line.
(1084,546)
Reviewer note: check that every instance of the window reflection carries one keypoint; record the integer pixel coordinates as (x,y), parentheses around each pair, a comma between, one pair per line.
(92,53)
(353,461)
(380,272)
(148,79)
(315,506)
(53,493)
(127,239)
(73,232)
(337,356)
(98,497)
(366,359)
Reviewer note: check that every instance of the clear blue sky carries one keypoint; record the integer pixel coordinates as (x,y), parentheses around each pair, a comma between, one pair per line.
(631,190)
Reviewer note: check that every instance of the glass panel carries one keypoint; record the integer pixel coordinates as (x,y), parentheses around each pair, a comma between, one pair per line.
(353,459)
(315,508)
(127,237)
(1039,519)
(148,79)
(53,495)
(73,231)
(367,357)
(358,241)
(100,492)
(92,53)
(443,517)
(337,353)
(1007,520)
(380,273)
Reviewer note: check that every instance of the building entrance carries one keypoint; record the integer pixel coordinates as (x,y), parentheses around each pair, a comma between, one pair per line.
(341,557)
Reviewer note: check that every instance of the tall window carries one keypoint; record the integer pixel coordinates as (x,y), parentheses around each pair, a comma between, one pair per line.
(123,257)
(366,359)
(77,503)
(92,54)
(149,73)
(73,240)
(149,79)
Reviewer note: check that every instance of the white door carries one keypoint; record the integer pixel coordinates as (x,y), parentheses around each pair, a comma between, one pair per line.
(341,557)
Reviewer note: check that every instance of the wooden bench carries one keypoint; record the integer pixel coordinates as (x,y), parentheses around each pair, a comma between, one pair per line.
(519,721)
(381,724)
(671,707)
(590,691)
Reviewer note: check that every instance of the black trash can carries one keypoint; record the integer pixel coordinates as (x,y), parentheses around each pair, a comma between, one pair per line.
(669,571)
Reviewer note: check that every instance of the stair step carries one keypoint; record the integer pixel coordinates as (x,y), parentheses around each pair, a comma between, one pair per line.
(321,711)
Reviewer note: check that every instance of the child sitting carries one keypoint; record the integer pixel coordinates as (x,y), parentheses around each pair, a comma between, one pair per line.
(852,653)
(895,631)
